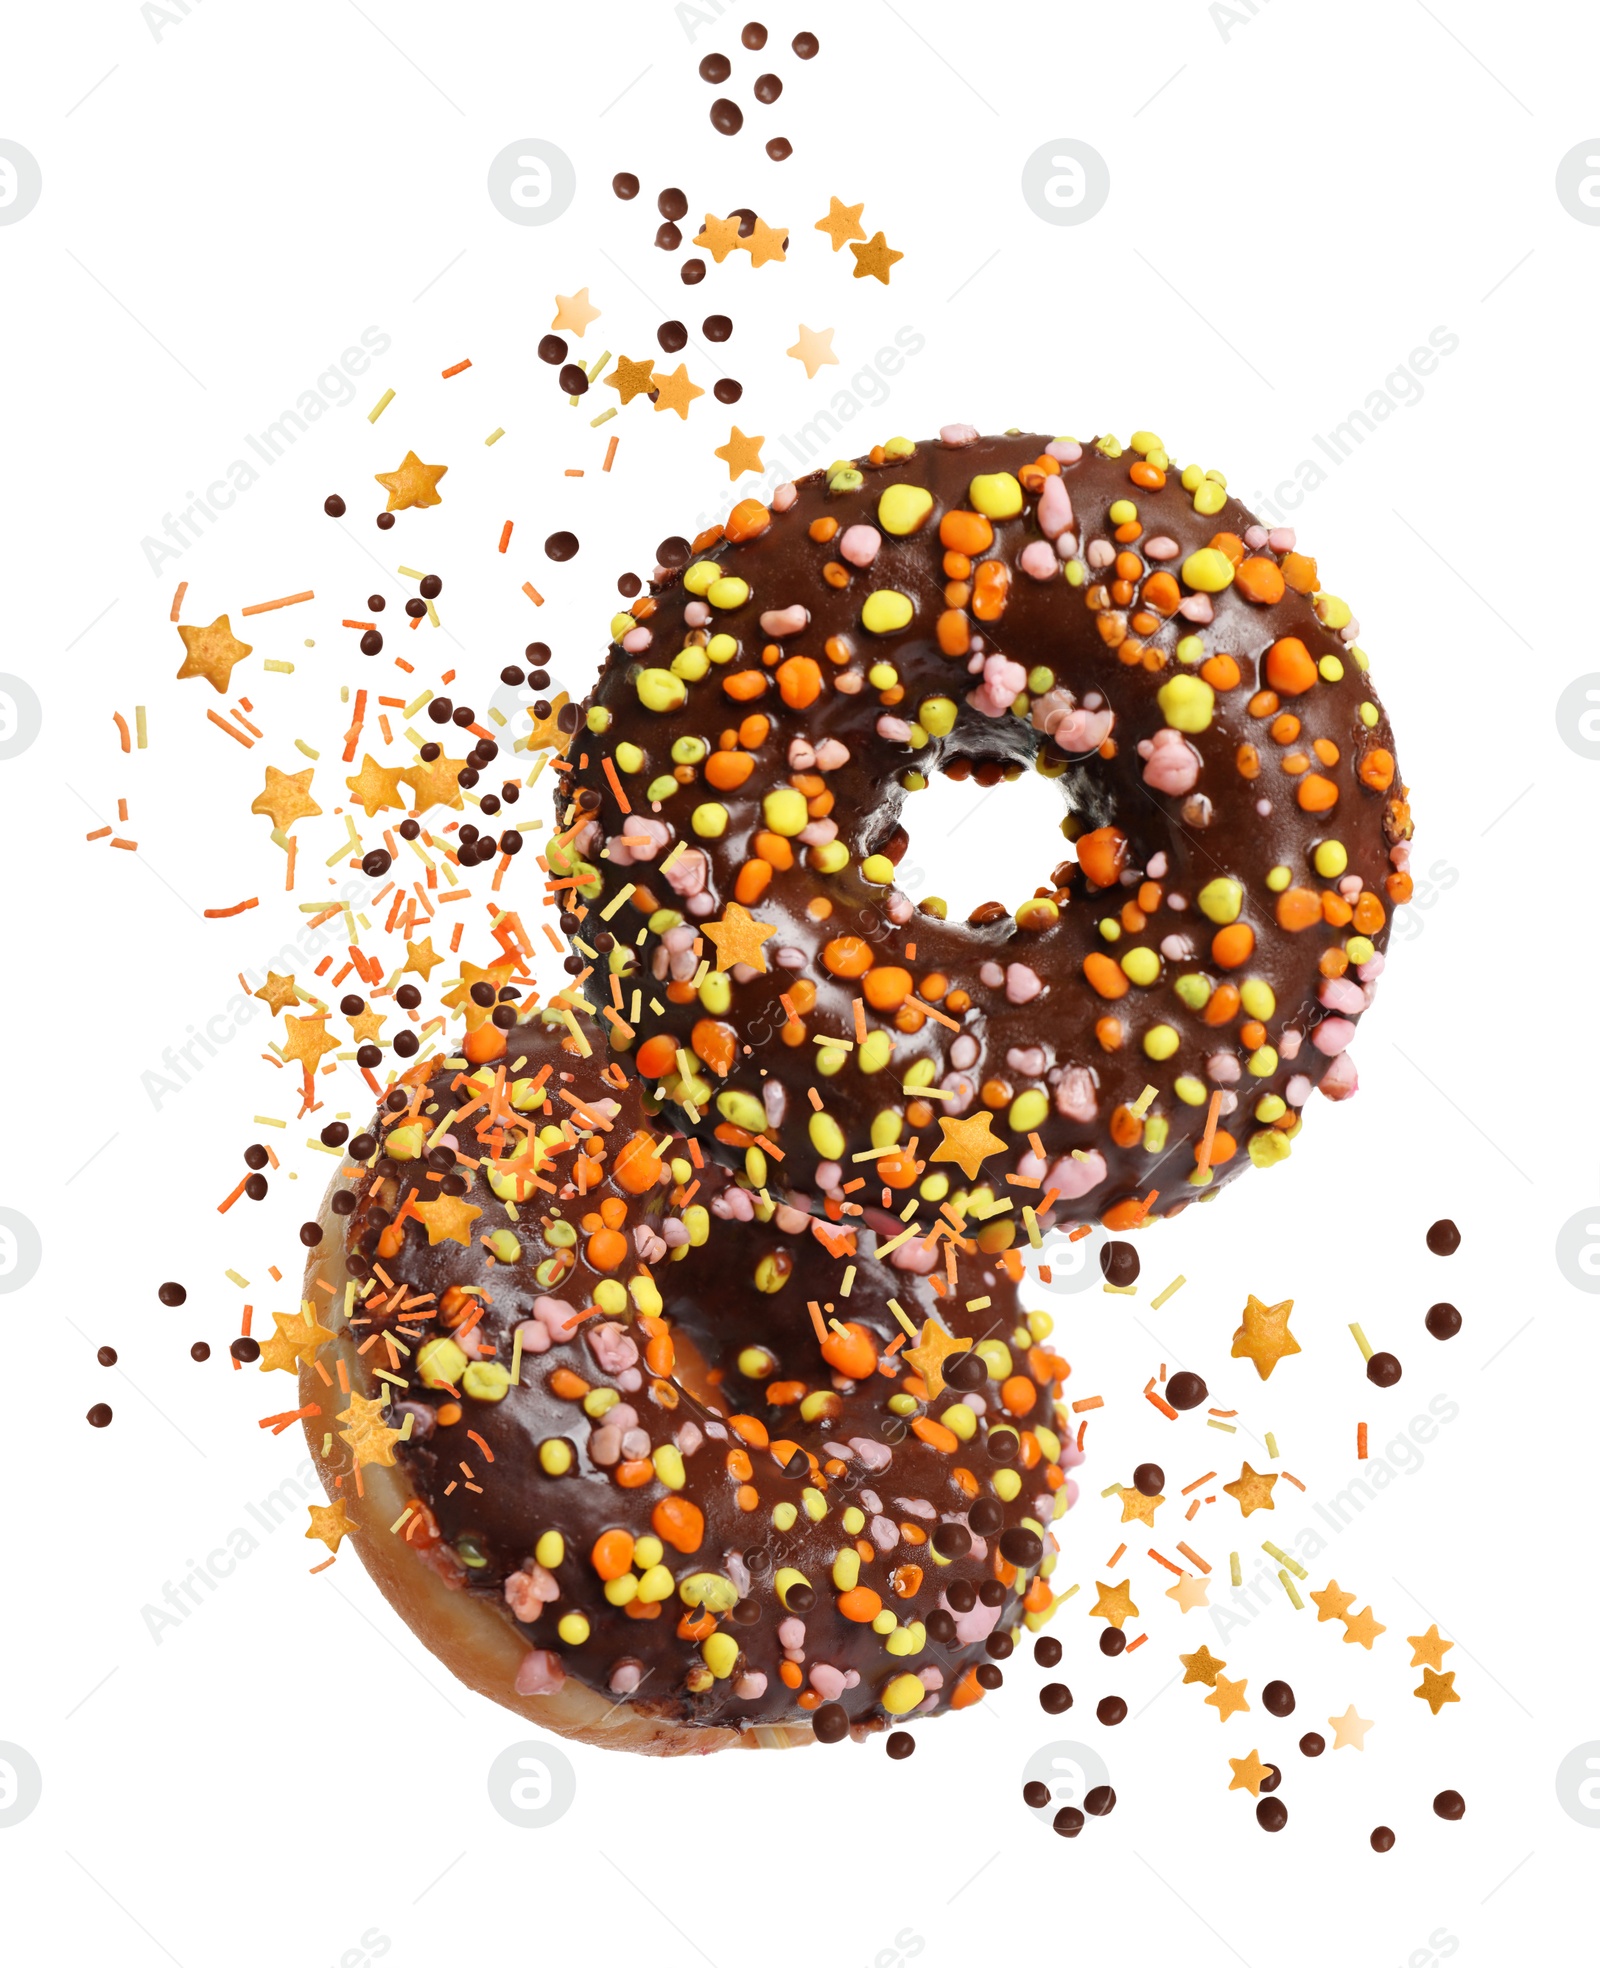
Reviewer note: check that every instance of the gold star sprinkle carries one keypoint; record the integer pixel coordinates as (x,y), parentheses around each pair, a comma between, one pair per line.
(296,1343)
(1248,1772)
(630,379)
(376,786)
(211,653)
(1138,1508)
(1428,1649)
(1252,1491)
(719,237)
(814,349)
(740,453)
(421,957)
(1437,1689)
(875,258)
(330,1523)
(1201,1667)
(1362,1628)
(413,484)
(675,392)
(929,1354)
(1265,1336)
(739,937)
(366,1025)
(765,243)
(308,1039)
(447,1219)
(1331,1603)
(573,313)
(435,784)
(277,992)
(843,222)
(286,797)
(1349,1729)
(547,732)
(1190,1592)
(459,996)
(969,1143)
(1113,1603)
(1227,1697)
(369,1436)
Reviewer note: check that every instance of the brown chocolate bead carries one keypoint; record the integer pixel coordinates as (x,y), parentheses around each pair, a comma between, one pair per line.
(1110,1710)
(1186,1390)
(1383,1370)
(1119,1261)
(1148,1479)
(1444,1239)
(1382,1839)
(1271,1814)
(1443,1320)
(1450,1804)
(1277,1698)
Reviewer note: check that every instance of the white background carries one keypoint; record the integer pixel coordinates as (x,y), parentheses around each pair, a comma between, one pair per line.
(1297,199)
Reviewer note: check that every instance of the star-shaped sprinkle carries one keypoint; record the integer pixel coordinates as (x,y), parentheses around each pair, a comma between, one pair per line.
(459,996)
(1349,1729)
(814,349)
(842,223)
(1252,1491)
(546,732)
(370,1437)
(212,653)
(573,313)
(308,1039)
(969,1143)
(875,258)
(675,391)
(1113,1603)
(421,957)
(1437,1689)
(1190,1592)
(1138,1508)
(376,786)
(296,1343)
(1428,1649)
(740,454)
(1202,1666)
(1227,1697)
(1331,1603)
(277,992)
(286,797)
(1265,1336)
(330,1523)
(413,484)
(765,243)
(1248,1772)
(366,1026)
(447,1219)
(928,1356)
(1362,1628)
(435,783)
(631,379)
(719,237)
(739,937)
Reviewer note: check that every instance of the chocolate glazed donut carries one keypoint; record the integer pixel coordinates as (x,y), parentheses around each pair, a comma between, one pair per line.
(1154,1017)
(641,1491)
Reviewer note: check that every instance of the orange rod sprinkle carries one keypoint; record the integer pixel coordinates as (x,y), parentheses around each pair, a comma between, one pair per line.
(1361,1441)
(283,601)
(533,594)
(505,536)
(177,600)
(455,369)
(1194,1558)
(122,730)
(222,724)
(238,909)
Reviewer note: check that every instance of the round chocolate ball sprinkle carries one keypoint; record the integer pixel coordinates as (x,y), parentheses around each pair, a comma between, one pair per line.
(552,349)
(574,379)
(246,1349)
(901,1744)
(1035,1794)
(672,335)
(1186,1390)
(371,643)
(768,88)
(805,44)
(173,1294)
(830,1723)
(333,506)
(715,69)
(1383,1370)
(1148,1479)
(625,185)
(1068,1821)
(1055,1698)
(668,237)
(1444,1239)
(726,390)
(1119,1262)
(1113,1641)
(1443,1320)
(1277,1698)
(99,1416)
(385,521)
(561,546)
(754,36)
(107,1356)
(673,551)
(1382,1839)
(727,117)
(692,272)
(716,327)
(1110,1710)
(199,1351)
(1311,1744)
(672,204)
(1271,1815)
(1047,1650)
(1101,1801)
(1450,1804)
(779,149)
(1273,1778)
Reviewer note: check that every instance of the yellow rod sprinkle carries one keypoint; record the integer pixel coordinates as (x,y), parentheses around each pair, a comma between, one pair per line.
(1361,1340)
(604,417)
(302,747)
(1288,1585)
(1161,1297)
(1227,1427)
(282,669)
(1283,1558)
(1233,1568)
(1141,1106)
(1272,1444)
(495,436)
(616,902)
(849,1280)
(141,735)
(899,1312)
(267,1120)
(380,406)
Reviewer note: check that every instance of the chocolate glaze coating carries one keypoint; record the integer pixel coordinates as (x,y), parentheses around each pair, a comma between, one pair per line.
(1214,830)
(480,1531)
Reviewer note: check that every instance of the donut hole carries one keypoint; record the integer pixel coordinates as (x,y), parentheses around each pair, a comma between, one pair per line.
(971,843)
